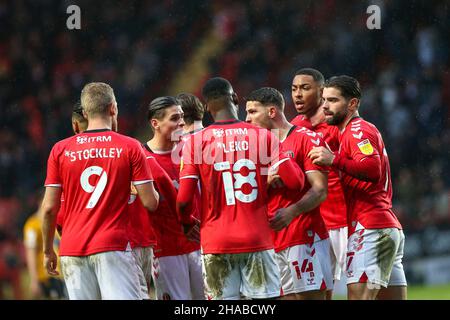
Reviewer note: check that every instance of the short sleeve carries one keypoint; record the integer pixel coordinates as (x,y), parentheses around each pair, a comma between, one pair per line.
(140,173)
(53,178)
(189,167)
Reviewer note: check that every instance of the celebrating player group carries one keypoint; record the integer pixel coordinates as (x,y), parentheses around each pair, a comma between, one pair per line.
(256,209)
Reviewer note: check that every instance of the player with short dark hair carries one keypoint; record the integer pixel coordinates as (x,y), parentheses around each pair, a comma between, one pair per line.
(376,242)
(79,125)
(194,111)
(95,169)
(231,159)
(301,238)
(177,272)
(307,88)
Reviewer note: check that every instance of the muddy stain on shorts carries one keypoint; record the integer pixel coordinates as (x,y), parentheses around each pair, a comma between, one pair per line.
(255,270)
(217,269)
(69,264)
(385,254)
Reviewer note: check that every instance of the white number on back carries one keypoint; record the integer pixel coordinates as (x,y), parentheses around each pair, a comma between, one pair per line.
(231,191)
(95,190)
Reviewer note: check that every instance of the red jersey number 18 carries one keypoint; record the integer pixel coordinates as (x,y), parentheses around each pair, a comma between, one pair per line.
(232,191)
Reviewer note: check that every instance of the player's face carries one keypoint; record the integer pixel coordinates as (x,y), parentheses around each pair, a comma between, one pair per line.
(257,114)
(172,123)
(335,107)
(306,94)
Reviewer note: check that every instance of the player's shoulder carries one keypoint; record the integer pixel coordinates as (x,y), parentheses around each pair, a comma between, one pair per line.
(301,121)
(304,132)
(360,129)
(64,142)
(307,137)
(127,140)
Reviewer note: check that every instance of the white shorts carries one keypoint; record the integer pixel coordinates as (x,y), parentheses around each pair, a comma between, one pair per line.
(254,274)
(338,240)
(179,277)
(112,275)
(375,256)
(144,260)
(305,267)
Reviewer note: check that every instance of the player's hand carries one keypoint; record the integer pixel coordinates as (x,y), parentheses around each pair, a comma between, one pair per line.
(282,218)
(275,181)
(50,263)
(192,231)
(321,156)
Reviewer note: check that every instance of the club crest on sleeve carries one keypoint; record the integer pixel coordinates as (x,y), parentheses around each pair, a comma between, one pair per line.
(365,147)
(289,153)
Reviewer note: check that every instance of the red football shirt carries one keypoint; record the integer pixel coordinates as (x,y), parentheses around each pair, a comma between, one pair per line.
(170,238)
(303,228)
(140,228)
(333,209)
(231,158)
(368,203)
(95,170)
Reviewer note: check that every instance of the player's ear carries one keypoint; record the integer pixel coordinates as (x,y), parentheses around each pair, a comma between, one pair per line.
(235,98)
(75,127)
(272,112)
(154,123)
(354,104)
(112,109)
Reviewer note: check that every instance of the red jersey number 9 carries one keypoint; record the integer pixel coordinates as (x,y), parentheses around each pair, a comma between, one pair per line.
(95,190)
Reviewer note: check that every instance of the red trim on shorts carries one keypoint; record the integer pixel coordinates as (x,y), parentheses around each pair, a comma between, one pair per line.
(363,278)
(323,286)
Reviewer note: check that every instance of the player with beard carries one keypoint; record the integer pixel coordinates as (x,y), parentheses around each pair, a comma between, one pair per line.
(376,240)
(307,88)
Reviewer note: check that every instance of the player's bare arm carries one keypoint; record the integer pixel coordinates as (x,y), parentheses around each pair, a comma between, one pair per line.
(49,209)
(148,195)
(314,197)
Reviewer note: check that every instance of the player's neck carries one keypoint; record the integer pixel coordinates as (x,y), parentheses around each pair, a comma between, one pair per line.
(192,127)
(224,114)
(349,118)
(318,116)
(283,126)
(99,123)
(158,143)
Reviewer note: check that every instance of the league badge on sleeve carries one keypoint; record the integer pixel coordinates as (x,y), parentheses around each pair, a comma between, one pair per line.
(365,147)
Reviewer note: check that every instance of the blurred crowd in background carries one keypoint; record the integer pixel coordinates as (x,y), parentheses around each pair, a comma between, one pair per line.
(139,46)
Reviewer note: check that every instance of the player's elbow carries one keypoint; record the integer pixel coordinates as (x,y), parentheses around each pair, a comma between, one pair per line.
(152,204)
(321,193)
(181,206)
(373,175)
(49,210)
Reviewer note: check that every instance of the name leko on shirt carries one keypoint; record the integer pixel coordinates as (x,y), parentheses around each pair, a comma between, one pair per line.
(93,153)
(233,146)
